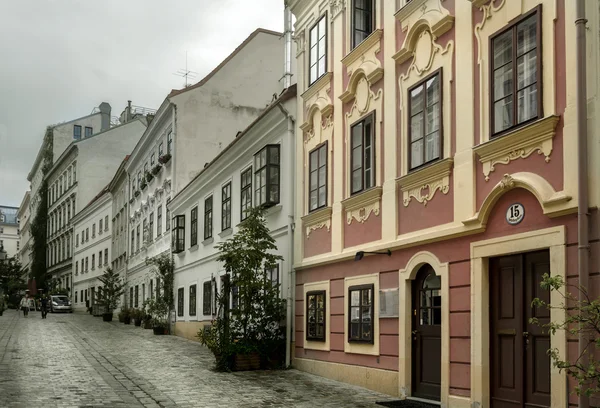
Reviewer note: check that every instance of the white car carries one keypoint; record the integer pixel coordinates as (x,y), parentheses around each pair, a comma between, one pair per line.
(60,303)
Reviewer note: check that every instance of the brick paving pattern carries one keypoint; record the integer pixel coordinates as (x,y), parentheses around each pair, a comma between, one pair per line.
(77,360)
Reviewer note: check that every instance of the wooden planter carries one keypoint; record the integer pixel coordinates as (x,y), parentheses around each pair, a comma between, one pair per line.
(246,362)
(159,330)
(137,322)
(147,324)
(107,317)
(127,320)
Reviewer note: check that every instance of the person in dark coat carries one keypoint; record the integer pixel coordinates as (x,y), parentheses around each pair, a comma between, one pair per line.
(44,307)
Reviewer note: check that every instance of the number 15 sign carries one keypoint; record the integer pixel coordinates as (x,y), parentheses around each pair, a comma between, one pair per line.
(515,213)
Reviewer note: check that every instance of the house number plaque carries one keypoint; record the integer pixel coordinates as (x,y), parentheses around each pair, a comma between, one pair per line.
(515,213)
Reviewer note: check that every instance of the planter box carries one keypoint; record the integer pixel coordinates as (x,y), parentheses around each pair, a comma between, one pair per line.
(160,330)
(147,325)
(137,322)
(246,362)
(127,320)
(107,317)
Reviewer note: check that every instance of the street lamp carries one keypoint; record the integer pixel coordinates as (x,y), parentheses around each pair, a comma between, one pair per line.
(360,254)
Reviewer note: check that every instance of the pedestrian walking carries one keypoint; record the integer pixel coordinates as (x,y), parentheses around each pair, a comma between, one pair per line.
(44,307)
(24,305)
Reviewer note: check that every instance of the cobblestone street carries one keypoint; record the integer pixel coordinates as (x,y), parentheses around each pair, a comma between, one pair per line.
(76,360)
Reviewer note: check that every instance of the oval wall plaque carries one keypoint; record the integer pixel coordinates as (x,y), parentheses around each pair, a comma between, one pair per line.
(515,213)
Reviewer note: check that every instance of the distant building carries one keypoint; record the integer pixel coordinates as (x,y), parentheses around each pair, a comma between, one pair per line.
(9,230)
(25,239)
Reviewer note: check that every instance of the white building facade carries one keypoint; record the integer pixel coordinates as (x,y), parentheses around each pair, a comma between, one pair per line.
(254,170)
(118,253)
(25,241)
(9,230)
(191,127)
(92,249)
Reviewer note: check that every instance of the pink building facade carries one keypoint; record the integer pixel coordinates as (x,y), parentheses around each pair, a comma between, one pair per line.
(444,131)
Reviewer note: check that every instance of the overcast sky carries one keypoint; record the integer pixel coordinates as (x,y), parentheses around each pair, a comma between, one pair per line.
(61,58)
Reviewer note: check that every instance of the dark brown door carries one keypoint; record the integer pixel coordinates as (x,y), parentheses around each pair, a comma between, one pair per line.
(426,334)
(520,367)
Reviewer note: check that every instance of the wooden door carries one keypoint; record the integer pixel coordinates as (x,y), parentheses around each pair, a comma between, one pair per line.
(520,367)
(426,334)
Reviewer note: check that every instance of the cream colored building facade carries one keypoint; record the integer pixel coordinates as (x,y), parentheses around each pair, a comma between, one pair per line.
(410,101)
(25,239)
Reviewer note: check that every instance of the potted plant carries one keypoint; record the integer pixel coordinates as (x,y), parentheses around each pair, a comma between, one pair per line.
(137,315)
(137,193)
(126,316)
(112,290)
(122,316)
(156,169)
(144,184)
(160,307)
(148,176)
(164,159)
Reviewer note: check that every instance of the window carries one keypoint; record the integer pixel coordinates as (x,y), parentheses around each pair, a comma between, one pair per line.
(246,193)
(137,295)
(100,226)
(361,314)
(318,50)
(106,256)
(226,207)
(93,230)
(315,315)
(76,240)
(137,238)
(170,142)
(131,298)
(76,132)
(208,217)
(151,289)
(192,307)
(425,108)
(178,234)
(362,155)
(151,227)
(168,215)
(88,131)
(273,275)
(70,177)
(152,159)
(75,296)
(145,168)
(76,268)
(363,20)
(161,149)
(145,230)
(93,262)
(106,223)
(516,74)
(159,221)
(266,176)
(180,302)
(206,298)
(318,178)
(157,286)
(235,296)
(82,267)
(132,241)
(194,226)
(139,179)
(100,259)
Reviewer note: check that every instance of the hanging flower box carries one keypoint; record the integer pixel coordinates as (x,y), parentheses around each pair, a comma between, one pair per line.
(164,159)
(156,169)
(137,193)
(149,176)
(143,185)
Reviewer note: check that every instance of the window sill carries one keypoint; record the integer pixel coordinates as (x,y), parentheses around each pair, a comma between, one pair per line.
(422,183)
(273,210)
(317,86)
(225,233)
(518,144)
(194,248)
(479,3)
(316,220)
(361,205)
(208,241)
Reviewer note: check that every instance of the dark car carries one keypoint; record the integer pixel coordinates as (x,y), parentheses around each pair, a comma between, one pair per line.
(60,303)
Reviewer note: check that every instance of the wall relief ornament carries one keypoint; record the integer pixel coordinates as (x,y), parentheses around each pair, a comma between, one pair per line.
(362,62)
(317,220)
(337,6)
(360,206)
(507,181)
(423,184)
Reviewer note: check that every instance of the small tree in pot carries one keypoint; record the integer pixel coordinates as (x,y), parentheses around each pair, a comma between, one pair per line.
(113,288)
(160,307)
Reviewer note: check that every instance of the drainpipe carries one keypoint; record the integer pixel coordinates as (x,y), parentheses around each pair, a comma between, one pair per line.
(582,174)
(290,233)
(287,34)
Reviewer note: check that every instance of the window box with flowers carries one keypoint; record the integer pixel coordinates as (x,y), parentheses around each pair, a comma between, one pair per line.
(143,185)
(164,159)
(149,176)
(156,169)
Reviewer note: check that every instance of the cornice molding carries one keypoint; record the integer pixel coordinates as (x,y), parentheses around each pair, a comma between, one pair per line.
(316,87)
(362,48)
(360,206)
(479,3)
(317,220)
(422,184)
(518,144)
(408,9)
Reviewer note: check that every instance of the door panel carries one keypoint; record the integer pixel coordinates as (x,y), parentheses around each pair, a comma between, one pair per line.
(426,336)
(520,367)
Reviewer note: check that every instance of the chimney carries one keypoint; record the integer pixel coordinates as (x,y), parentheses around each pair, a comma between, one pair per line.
(105,116)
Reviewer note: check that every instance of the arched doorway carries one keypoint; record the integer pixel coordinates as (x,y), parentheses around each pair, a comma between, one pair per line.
(426,334)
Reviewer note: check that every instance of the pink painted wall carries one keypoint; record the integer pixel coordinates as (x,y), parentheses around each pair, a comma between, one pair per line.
(318,242)
(360,233)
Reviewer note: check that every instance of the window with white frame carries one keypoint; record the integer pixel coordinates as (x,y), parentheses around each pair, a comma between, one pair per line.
(318,50)
(266,176)
(226,207)
(362,155)
(246,192)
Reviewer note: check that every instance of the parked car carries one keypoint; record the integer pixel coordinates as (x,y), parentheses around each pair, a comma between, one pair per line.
(60,303)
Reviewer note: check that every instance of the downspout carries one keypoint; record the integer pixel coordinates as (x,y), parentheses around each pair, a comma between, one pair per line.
(582,176)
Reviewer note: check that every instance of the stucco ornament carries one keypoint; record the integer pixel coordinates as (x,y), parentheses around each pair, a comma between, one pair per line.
(317,220)
(422,185)
(507,181)
(361,206)
(362,62)
(300,42)
(337,6)
(318,125)
(362,214)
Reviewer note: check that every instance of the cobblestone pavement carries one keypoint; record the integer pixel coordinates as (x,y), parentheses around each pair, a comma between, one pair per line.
(77,360)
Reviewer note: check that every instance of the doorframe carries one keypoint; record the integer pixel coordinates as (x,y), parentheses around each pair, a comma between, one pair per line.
(553,239)
(406,277)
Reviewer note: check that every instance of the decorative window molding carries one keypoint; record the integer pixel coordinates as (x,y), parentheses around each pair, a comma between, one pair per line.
(479,3)
(518,144)
(317,220)
(362,62)
(422,184)
(337,6)
(360,206)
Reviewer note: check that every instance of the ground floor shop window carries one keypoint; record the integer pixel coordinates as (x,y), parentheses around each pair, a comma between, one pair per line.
(361,316)
(315,315)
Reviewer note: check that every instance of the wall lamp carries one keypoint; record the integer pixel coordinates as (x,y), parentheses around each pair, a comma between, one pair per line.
(360,254)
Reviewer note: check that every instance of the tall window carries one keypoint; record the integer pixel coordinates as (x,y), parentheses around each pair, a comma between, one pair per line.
(76,240)
(132,241)
(178,234)
(106,256)
(226,206)
(180,302)
(106,223)
(206,298)
(273,276)
(425,117)
(88,131)
(361,314)
(363,20)
(159,221)
(168,214)
(137,295)
(100,226)
(151,227)
(93,230)
(170,142)
(131,298)
(318,50)
(318,178)
(152,159)
(93,262)
(246,193)
(161,149)
(76,268)
(137,238)
(194,226)
(315,315)
(363,155)
(516,74)
(87,234)
(208,210)
(266,176)
(100,259)
(192,311)
(145,230)
(77,132)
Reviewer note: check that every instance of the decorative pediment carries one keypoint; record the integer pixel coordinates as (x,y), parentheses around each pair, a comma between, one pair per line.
(318,125)
(423,184)
(360,206)
(362,62)
(521,143)
(317,220)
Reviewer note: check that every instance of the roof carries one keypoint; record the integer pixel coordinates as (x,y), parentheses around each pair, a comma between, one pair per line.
(98,196)
(285,95)
(118,172)
(175,92)
(10,215)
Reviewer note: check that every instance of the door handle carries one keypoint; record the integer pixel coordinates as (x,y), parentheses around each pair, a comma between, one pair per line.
(415,331)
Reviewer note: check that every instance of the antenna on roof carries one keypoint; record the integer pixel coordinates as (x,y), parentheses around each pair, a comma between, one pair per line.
(186,73)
